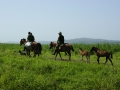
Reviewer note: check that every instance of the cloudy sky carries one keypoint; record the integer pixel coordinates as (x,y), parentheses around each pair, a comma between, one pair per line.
(97,19)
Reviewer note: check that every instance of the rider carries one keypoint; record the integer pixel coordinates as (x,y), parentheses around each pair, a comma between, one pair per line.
(30,38)
(59,41)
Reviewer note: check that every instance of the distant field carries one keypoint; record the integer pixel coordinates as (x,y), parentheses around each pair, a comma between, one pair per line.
(19,72)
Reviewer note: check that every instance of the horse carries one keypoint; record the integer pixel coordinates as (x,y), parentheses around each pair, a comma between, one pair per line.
(62,48)
(31,46)
(84,53)
(53,45)
(102,53)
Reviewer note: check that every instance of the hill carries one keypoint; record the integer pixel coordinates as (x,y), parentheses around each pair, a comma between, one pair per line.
(79,40)
(91,41)
(85,41)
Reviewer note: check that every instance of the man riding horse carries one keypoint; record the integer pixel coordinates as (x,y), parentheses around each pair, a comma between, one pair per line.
(59,41)
(30,38)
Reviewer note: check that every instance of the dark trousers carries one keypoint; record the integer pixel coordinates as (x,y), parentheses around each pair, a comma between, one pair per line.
(24,48)
(57,47)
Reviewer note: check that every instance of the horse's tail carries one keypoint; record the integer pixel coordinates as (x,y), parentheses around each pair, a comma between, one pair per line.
(40,48)
(111,55)
(72,48)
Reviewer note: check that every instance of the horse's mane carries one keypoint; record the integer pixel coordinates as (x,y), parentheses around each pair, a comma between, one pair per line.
(23,39)
(96,48)
(53,42)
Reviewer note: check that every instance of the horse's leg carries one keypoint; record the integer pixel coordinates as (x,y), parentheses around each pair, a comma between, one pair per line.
(29,53)
(38,49)
(60,55)
(34,53)
(56,55)
(26,52)
(106,60)
(88,55)
(65,53)
(87,58)
(110,61)
(82,57)
(98,60)
(69,55)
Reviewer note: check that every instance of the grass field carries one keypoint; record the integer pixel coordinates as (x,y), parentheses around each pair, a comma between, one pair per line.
(19,72)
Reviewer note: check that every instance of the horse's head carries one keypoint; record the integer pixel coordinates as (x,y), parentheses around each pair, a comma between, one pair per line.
(22,41)
(94,49)
(52,44)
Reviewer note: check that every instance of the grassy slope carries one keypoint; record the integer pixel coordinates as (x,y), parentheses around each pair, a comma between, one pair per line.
(44,73)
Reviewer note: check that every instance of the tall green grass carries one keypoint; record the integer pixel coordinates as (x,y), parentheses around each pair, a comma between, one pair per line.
(44,73)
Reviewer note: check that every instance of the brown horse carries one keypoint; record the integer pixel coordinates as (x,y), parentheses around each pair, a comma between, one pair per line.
(52,45)
(62,48)
(33,46)
(84,53)
(101,53)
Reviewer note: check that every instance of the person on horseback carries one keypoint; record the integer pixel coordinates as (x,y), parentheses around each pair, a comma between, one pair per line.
(30,38)
(59,41)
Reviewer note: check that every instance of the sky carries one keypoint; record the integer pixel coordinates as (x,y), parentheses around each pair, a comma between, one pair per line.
(97,19)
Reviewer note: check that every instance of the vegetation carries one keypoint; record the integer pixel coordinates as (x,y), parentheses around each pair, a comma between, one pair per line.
(19,72)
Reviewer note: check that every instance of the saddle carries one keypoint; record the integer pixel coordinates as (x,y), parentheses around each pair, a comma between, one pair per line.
(28,45)
(62,45)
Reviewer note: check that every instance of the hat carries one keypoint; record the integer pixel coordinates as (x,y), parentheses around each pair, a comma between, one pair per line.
(60,33)
(29,32)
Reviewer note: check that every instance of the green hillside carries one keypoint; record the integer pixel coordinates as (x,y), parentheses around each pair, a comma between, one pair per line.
(19,72)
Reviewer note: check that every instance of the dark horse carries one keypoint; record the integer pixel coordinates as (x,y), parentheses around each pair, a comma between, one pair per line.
(34,46)
(101,53)
(62,48)
(54,46)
